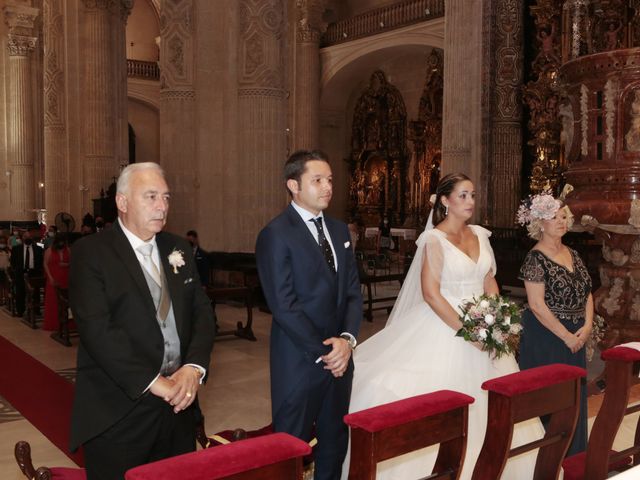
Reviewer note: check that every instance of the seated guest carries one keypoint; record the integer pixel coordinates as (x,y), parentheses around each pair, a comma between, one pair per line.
(201,258)
(558,320)
(56,267)
(25,258)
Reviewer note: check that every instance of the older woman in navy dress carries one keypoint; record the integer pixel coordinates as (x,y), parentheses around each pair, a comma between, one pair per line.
(558,320)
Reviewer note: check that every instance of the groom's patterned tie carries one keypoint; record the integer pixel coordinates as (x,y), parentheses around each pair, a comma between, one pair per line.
(325,247)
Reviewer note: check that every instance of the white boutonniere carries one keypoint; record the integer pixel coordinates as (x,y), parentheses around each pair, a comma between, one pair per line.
(176,259)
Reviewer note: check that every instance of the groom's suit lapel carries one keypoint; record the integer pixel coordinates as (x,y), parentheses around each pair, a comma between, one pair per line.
(125,252)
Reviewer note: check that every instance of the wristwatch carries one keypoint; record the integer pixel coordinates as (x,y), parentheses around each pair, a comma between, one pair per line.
(351,340)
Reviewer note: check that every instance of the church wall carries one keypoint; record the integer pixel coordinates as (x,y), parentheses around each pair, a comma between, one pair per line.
(216,112)
(145,121)
(142,30)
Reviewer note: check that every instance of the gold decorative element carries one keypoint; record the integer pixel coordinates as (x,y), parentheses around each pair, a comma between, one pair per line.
(634,213)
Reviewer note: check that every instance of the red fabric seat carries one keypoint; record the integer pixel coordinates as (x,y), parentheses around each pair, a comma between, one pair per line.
(393,429)
(549,390)
(62,473)
(270,457)
(574,465)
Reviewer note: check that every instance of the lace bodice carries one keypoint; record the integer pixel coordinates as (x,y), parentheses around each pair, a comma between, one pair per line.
(460,277)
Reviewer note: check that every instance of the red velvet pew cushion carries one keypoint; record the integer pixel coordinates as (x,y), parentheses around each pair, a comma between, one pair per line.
(396,413)
(63,473)
(224,460)
(623,354)
(573,466)
(533,379)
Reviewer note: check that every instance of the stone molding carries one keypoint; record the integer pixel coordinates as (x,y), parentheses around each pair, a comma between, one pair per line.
(261,92)
(177,95)
(121,8)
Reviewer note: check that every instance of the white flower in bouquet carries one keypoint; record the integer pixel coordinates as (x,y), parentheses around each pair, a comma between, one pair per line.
(493,321)
(482,333)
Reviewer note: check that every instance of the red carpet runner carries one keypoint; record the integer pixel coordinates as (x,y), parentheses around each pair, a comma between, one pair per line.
(42,396)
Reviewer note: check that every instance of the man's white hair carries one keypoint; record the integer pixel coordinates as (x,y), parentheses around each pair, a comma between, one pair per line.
(125,176)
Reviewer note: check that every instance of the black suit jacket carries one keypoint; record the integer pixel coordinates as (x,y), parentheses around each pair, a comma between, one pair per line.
(17,259)
(121,345)
(309,303)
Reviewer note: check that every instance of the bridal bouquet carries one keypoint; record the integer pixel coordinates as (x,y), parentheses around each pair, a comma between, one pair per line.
(492,321)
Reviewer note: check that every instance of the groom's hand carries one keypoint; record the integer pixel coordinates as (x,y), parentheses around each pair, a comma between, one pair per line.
(337,359)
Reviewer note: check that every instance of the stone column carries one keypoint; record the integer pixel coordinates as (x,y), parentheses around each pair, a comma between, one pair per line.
(56,168)
(177,111)
(262,112)
(103,77)
(503,128)
(462,116)
(309,29)
(21,141)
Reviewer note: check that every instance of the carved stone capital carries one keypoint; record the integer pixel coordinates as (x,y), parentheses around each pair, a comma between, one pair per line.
(310,25)
(122,8)
(21,45)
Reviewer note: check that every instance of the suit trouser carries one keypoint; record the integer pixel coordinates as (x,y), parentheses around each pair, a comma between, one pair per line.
(150,432)
(319,400)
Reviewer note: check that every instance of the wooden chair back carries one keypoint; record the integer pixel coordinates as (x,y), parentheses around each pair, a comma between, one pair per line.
(552,390)
(393,429)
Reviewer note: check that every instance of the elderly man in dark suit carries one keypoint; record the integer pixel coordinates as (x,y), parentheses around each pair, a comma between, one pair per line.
(26,258)
(310,280)
(146,331)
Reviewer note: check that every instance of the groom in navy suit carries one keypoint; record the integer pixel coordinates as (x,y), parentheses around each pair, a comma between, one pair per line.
(310,280)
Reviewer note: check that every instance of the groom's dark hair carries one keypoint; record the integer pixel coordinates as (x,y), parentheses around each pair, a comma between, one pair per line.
(446,185)
(297,164)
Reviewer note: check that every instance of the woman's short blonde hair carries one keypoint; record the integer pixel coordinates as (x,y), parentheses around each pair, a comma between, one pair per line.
(534,228)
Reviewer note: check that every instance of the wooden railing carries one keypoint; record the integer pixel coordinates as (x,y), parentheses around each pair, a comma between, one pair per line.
(383,19)
(142,69)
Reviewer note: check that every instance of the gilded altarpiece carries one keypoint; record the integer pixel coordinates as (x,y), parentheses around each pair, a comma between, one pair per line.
(378,158)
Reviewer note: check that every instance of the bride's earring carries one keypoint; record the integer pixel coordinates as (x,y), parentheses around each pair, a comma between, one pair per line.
(446,210)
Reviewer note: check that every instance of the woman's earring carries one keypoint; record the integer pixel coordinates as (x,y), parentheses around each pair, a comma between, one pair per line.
(446,210)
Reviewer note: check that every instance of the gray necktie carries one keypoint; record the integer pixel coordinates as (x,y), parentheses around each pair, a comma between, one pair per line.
(159,292)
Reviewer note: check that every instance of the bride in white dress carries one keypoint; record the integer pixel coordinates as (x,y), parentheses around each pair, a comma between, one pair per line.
(417,352)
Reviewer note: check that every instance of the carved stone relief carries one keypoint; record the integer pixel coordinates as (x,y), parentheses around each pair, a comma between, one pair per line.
(177,29)
(260,49)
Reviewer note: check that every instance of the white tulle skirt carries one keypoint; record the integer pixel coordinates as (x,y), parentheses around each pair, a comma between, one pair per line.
(421,354)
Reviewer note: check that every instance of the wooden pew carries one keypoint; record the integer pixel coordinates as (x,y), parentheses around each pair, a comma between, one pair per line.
(549,390)
(621,373)
(393,429)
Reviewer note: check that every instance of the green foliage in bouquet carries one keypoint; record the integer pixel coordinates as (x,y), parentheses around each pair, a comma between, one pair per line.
(492,321)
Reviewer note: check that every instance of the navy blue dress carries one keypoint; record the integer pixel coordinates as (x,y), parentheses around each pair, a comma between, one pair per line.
(566,294)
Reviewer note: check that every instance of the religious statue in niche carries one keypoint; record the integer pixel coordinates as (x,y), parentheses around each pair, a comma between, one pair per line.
(565,111)
(612,35)
(378,152)
(548,53)
(632,137)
